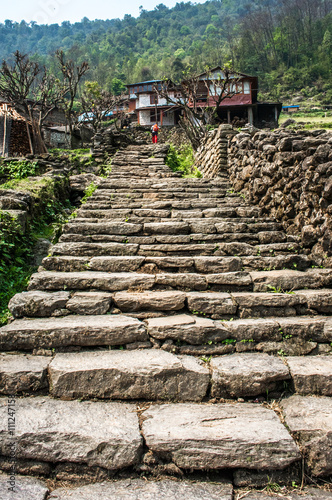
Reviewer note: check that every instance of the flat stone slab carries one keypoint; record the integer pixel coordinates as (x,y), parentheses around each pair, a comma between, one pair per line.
(94,249)
(309,418)
(219,436)
(287,279)
(71,330)
(217,264)
(146,374)
(211,303)
(313,328)
(116,264)
(156,301)
(122,228)
(306,494)
(191,329)
(96,434)
(238,278)
(190,281)
(37,303)
(319,300)
(111,282)
(257,329)
(23,373)
(311,374)
(89,303)
(138,489)
(247,374)
(22,488)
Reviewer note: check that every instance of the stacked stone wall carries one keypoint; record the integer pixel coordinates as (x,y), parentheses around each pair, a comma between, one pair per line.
(289,174)
(211,157)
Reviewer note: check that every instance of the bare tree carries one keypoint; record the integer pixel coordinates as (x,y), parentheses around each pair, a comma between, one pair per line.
(199,97)
(32,88)
(97,104)
(72,76)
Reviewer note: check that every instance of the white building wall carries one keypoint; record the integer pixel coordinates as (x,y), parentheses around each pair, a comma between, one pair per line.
(144,118)
(144,101)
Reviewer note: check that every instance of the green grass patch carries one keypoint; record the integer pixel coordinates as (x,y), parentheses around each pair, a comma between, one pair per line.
(182,160)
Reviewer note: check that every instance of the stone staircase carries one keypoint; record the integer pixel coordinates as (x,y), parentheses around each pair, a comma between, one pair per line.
(172,331)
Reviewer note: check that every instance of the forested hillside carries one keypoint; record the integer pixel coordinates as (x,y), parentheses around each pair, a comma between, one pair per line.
(287,43)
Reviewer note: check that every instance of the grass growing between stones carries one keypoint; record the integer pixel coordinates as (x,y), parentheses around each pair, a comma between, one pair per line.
(182,160)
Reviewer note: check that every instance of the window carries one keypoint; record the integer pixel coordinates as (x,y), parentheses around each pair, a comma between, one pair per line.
(153,117)
(153,99)
(239,87)
(246,87)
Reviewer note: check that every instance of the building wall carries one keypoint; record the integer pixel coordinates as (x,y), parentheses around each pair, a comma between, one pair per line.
(145,118)
(144,101)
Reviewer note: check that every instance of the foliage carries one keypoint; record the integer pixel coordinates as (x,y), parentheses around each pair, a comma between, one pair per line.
(287,43)
(97,104)
(89,192)
(18,169)
(182,160)
(16,247)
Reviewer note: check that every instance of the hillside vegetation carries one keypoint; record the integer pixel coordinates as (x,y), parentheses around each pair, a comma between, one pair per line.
(287,43)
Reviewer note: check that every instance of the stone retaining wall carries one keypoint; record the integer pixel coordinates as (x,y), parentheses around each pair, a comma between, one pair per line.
(211,157)
(289,174)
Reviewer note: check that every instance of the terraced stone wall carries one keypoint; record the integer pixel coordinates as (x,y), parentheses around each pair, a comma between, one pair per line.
(289,174)
(211,157)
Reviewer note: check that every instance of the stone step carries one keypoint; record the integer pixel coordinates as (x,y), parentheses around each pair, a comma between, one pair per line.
(137,489)
(309,419)
(95,280)
(48,333)
(285,336)
(173,228)
(95,434)
(163,249)
(155,374)
(181,239)
(150,374)
(234,432)
(203,264)
(278,283)
(107,435)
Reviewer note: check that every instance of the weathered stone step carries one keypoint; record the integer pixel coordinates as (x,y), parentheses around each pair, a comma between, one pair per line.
(203,264)
(109,330)
(22,488)
(149,374)
(138,489)
(96,434)
(234,432)
(95,280)
(180,239)
(309,419)
(275,282)
(174,228)
(154,374)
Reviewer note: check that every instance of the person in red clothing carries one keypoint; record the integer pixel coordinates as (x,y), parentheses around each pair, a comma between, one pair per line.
(154,132)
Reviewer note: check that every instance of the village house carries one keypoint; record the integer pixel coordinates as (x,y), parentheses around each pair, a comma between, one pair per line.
(147,108)
(240,108)
(242,105)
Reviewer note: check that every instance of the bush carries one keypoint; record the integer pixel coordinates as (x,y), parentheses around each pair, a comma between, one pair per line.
(182,161)
(18,169)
